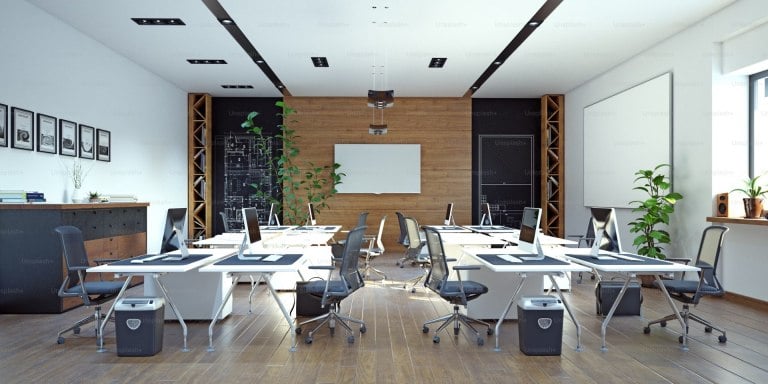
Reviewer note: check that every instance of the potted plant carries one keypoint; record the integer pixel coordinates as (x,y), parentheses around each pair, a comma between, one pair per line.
(310,183)
(753,203)
(655,211)
(77,173)
(93,197)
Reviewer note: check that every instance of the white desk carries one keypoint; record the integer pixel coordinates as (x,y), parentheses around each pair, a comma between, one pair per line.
(549,267)
(197,259)
(233,239)
(629,269)
(299,257)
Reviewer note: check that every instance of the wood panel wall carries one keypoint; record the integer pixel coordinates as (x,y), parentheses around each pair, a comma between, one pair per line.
(443,127)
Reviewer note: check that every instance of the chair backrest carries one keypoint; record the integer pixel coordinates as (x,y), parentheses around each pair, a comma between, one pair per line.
(414,240)
(589,237)
(73,247)
(403,238)
(224,221)
(348,271)
(438,274)
(362,219)
(379,243)
(709,254)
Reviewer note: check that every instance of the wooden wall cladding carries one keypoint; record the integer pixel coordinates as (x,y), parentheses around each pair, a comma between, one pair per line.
(443,127)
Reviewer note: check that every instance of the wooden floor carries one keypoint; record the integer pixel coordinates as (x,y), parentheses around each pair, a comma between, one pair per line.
(254,347)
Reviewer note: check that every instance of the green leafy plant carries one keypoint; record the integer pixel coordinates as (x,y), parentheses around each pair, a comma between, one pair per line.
(656,210)
(751,188)
(93,195)
(300,183)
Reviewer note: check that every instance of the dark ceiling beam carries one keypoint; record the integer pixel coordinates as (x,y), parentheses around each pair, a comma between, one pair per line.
(229,24)
(535,22)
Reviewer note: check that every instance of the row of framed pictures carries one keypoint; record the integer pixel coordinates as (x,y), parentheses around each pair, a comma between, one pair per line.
(53,135)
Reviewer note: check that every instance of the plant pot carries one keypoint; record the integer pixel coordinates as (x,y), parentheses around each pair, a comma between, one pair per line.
(753,207)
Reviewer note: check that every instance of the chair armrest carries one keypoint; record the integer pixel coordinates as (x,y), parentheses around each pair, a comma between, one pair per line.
(678,260)
(465,267)
(328,267)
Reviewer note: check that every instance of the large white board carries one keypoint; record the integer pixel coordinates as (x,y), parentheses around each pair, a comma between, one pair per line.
(379,168)
(624,133)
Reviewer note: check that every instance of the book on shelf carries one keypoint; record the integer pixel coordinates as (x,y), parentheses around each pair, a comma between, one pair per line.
(10,194)
(12,200)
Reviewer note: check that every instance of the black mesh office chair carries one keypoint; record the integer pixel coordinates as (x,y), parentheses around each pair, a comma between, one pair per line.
(337,247)
(413,253)
(691,291)
(583,241)
(402,239)
(224,221)
(337,288)
(76,284)
(456,292)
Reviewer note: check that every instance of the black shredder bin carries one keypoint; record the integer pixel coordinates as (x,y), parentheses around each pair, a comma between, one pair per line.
(139,326)
(540,325)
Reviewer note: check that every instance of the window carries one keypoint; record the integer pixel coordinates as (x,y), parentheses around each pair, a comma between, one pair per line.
(758,124)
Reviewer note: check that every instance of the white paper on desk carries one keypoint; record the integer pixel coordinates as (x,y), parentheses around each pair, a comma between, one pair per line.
(272,258)
(510,258)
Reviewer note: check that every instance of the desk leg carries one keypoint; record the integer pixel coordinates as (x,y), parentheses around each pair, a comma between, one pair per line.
(287,315)
(607,319)
(156,277)
(221,308)
(100,330)
(506,310)
(568,308)
(676,312)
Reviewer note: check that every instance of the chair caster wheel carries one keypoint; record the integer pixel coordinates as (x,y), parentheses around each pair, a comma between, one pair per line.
(308,340)
(401,265)
(363,329)
(663,324)
(489,332)
(722,338)
(680,339)
(333,331)
(647,330)
(436,339)
(708,329)
(480,341)
(425,329)
(76,331)
(456,331)
(350,339)
(413,290)
(60,340)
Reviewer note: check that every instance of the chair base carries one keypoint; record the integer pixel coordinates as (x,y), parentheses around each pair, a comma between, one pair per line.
(368,268)
(414,281)
(456,318)
(687,316)
(97,317)
(332,318)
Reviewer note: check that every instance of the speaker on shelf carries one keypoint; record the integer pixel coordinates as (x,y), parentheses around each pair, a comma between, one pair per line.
(721,205)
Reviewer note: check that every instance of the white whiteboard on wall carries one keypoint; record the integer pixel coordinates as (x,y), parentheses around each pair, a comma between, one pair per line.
(379,168)
(624,133)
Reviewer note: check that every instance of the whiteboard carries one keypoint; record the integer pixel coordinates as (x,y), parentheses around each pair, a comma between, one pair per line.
(379,168)
(624,133)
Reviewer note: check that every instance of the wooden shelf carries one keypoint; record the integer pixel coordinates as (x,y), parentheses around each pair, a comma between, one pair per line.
(737,220)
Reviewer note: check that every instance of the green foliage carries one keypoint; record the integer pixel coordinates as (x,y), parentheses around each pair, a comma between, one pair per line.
(656,210)
(300,185)
(751,188)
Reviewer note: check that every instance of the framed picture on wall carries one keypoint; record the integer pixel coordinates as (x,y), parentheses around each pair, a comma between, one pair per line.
(67,137)
(46,133)
(22,129)
(86,141)
(3,125)
(103,145)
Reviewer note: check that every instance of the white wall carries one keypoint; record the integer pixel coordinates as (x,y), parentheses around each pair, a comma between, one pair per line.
(51,68)
(709,130)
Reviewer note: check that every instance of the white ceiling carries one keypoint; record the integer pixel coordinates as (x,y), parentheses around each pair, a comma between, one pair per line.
(579,40)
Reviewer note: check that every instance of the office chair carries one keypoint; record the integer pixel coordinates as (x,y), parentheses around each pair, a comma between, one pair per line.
(224,221)
(413,253)
(691,291)
(337,247)
(92,293)
(585,241)
(456,292)
(375,248)
(333,291)
(402,239)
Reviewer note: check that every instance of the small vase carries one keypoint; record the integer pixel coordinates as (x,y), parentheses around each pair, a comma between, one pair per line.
(77,196)
(753,207)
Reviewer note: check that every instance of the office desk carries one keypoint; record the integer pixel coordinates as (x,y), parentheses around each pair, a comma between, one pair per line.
(549,267)
(629,269)
(233,239)
(157,268)
(291,261)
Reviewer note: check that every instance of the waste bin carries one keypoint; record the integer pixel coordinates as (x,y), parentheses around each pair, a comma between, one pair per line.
(139,326)
(540,325)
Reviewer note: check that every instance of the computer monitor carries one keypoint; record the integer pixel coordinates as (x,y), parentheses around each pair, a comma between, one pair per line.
(485,211)
(449,215)
(529,230)
(174,232)
(606,230)
(311,218)
(272,220)
(251,223)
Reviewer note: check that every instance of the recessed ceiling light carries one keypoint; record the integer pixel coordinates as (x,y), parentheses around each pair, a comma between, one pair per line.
(157,21)
(320,61)
(437,62)
(237,86)
(206,61)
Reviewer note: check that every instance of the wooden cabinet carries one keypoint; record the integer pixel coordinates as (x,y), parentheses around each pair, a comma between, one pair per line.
(31,263)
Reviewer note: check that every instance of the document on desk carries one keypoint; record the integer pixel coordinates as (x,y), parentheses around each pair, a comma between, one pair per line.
(272,258)
(510,258)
